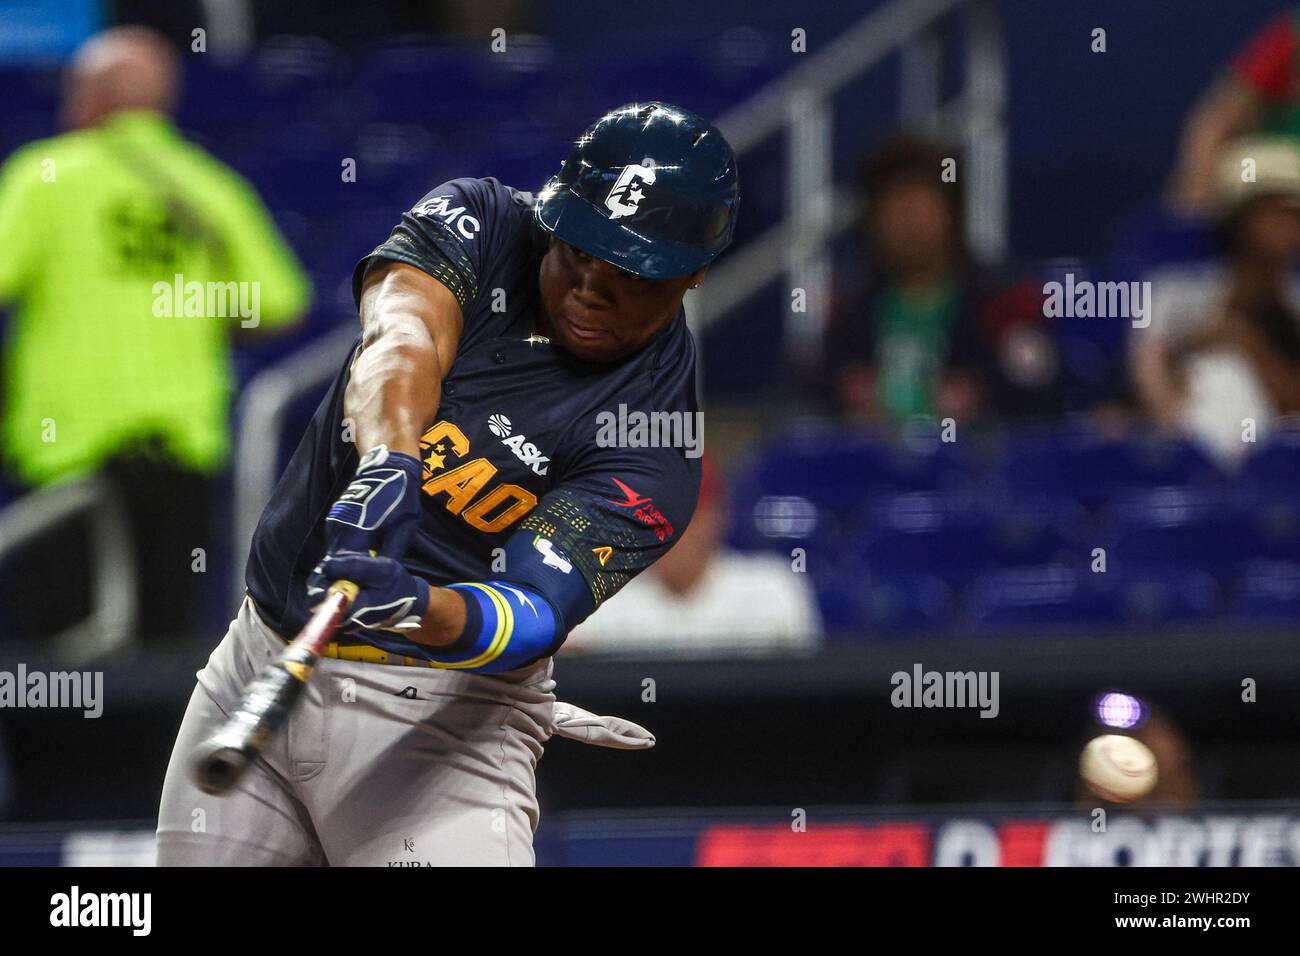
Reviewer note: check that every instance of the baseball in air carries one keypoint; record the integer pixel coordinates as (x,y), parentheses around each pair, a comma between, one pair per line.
(1118,768)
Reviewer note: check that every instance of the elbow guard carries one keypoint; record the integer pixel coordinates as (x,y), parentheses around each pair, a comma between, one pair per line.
(506,627)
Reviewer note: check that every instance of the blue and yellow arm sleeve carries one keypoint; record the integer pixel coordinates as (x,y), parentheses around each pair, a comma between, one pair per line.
(506,627)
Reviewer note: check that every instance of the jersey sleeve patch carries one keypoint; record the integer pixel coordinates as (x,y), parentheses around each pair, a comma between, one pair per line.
(443,235)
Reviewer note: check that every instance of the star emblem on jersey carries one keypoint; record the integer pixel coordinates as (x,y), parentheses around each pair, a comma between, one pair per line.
(625,197)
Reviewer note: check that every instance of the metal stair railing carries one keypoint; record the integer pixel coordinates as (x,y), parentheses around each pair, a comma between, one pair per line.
(112,622)
(800,104)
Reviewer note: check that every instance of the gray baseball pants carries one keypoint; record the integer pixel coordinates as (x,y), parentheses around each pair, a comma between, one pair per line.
(379,765)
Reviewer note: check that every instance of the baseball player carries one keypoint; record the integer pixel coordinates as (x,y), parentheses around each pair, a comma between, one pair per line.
(458,472)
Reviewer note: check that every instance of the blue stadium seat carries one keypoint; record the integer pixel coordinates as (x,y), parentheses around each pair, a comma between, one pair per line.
(809,483)
(1273,520)
(1091,467)
(452,88)
(29,108)
(1049,597)
(782,522)
(1187,527)
(854,602)
(958,536)
(841,468)
(1061,597)
(1276,463)
(280,86)
(928,532)
(906,602)
(1268,592)
(1157,595)
(1036,528)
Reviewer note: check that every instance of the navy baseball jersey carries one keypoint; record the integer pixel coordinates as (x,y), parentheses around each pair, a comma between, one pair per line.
(523,452)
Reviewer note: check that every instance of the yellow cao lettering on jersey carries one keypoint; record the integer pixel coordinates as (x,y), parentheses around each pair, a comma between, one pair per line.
(494,511)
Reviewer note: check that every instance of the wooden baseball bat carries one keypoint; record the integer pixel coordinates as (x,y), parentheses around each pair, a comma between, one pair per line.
(269,699)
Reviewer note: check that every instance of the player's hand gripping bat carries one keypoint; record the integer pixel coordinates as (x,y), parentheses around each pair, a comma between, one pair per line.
(269,699)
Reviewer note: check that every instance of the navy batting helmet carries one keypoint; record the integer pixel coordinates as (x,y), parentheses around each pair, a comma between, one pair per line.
(649,188)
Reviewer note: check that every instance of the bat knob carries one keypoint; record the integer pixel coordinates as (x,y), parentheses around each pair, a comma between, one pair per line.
(220,768)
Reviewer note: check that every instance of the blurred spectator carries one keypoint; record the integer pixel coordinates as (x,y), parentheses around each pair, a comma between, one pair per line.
(1259,92)
(704,599)
(131,256)
(927,331)
(1223,347)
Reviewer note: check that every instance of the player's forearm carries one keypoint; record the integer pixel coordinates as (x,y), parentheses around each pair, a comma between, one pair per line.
(392,396)
(444,622)
(411,327)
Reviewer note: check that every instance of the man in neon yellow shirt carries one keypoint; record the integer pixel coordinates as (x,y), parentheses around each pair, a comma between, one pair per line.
(130,257)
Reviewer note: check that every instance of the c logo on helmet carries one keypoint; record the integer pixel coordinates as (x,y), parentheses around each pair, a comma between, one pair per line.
(625,198)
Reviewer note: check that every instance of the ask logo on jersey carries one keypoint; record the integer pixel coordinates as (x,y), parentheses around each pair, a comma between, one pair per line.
(523,449)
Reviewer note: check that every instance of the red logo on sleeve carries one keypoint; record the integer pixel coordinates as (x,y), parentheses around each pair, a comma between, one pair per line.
(645,511)
(630,498)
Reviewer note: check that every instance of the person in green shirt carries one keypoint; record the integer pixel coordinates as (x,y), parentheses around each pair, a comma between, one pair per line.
(131,257)
(921,330)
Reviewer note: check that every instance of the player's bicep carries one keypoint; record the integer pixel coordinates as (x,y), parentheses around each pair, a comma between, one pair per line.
(398,299)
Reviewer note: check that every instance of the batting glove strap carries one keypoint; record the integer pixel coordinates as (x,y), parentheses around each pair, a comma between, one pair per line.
(378,510)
